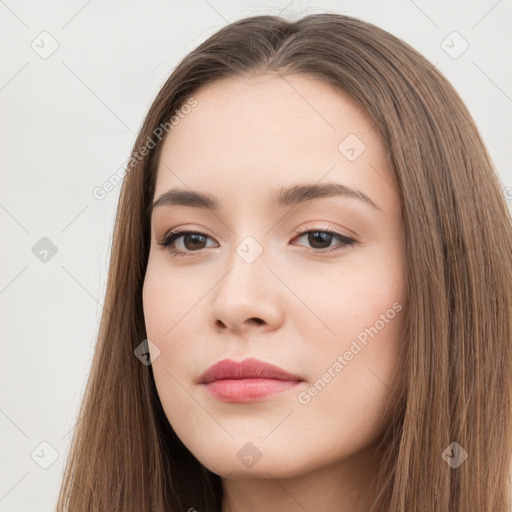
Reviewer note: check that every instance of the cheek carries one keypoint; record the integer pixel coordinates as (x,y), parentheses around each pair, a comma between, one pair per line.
(357,337)
(360,320)
(161,305)
(352,386)
(344,302)
(166,299)
(172,309)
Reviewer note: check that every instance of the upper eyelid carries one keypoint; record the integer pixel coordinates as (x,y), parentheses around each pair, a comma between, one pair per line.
(310,226)
(179,231)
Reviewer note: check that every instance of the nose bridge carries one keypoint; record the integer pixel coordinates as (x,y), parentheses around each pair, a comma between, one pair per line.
(247,290)
(248,272)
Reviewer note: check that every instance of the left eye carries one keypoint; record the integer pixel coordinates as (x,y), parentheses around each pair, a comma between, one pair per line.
(193,240)
(318,238)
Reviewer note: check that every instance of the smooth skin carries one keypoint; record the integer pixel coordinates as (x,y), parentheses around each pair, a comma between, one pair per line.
(299,305)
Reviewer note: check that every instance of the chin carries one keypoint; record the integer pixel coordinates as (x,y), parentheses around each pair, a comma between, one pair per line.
(247,460)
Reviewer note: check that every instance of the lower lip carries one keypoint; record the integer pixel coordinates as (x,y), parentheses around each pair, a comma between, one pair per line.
(248,390)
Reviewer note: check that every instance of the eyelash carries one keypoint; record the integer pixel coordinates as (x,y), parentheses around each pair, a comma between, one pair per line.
(173,235)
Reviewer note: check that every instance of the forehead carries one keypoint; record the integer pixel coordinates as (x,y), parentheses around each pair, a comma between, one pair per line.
(246,135)
(274,109)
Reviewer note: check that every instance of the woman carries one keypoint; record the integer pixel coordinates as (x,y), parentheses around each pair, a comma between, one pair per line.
(309,301)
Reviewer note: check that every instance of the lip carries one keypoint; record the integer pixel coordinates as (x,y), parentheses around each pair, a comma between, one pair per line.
(247,380)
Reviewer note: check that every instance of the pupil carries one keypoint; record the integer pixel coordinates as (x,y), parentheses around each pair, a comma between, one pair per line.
(318,236)
(194,237)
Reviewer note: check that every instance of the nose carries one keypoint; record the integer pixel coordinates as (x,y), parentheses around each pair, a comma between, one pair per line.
(247,297)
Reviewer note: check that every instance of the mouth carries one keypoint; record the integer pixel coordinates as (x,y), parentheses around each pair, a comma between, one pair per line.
(246,381)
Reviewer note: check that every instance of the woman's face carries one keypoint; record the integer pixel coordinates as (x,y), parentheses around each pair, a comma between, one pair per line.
(264,279)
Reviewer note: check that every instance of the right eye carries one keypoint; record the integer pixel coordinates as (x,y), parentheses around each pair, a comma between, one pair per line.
(191,238)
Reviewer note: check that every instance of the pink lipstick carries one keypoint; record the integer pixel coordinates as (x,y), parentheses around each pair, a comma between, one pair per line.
(246,381)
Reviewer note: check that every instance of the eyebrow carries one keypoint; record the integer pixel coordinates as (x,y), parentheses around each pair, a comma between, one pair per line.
(283,197)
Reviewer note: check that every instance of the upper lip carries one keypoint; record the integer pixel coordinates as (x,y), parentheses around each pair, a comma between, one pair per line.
(246,369)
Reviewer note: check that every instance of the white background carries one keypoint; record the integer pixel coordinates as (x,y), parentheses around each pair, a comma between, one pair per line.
(68,123)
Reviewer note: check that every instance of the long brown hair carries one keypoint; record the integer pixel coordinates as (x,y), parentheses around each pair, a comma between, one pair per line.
(125,455)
